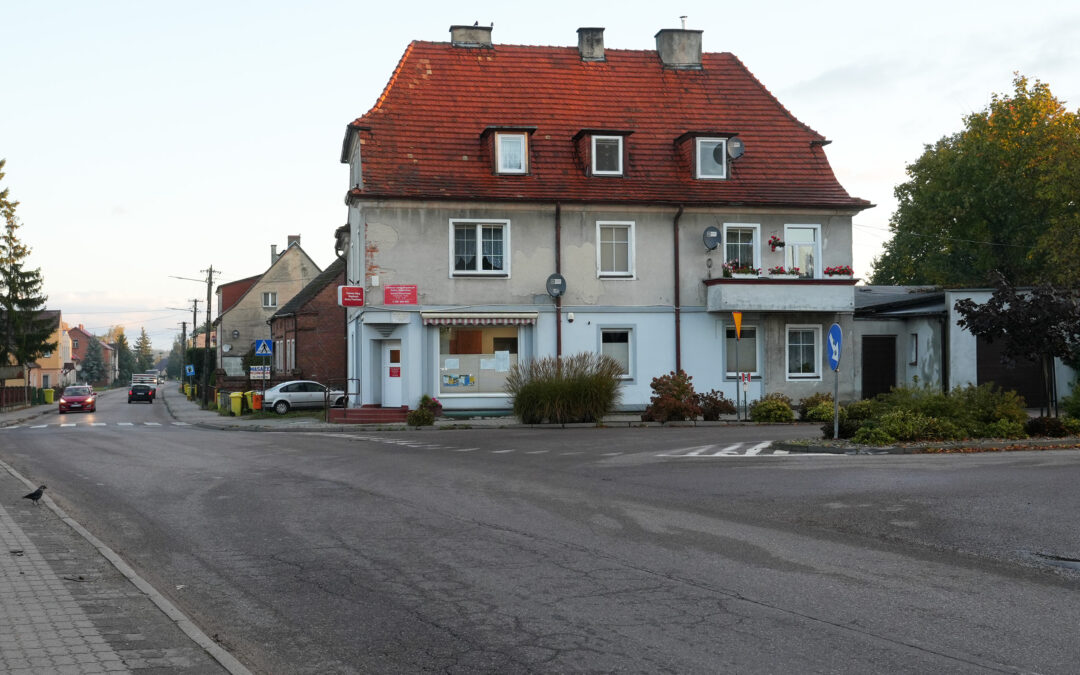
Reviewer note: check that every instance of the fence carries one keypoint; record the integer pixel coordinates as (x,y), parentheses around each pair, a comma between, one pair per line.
(13,397)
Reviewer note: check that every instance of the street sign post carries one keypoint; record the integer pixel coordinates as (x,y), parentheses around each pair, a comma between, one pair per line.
(737,318)
(836,343)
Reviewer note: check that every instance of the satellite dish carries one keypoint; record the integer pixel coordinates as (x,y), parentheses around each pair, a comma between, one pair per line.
(735,148)
(711,237)
(226,348)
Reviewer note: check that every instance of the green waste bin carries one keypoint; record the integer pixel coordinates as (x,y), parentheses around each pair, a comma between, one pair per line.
(237,400)
(48,395)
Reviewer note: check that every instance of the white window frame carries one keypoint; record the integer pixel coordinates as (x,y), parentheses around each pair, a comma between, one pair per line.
(631,345)
(818,352)
(790,246)
(913,349)
(269,299)
(698,173)
(602,172)
(756,244)
(500,166)
(630,273)
(279,356)
(730,374)
(480,223)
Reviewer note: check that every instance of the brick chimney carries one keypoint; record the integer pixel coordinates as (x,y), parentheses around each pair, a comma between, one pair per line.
(293,239)
(273,253)
(679,48)
(590,44)
(471,36)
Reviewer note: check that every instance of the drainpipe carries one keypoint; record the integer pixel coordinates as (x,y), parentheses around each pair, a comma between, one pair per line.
(678,302)
(558,270)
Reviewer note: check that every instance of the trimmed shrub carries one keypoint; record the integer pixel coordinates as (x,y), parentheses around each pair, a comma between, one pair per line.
(772,408)
(823,412)
(1052,427)
(1071,403)
(1004,429)
(421,417)
(713,405)
(813,401)
(673,398)
(860,410)
(869,435)
(579,388)
(903,425)
(430,404)
(1072,425)
(847,427)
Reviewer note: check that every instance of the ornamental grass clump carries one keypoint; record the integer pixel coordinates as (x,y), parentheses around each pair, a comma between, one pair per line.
(579,388)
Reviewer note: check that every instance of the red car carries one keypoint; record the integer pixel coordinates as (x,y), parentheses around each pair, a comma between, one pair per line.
(79,398)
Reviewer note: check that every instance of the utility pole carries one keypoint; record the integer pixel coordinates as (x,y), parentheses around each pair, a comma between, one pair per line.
(206,352)
(183,353)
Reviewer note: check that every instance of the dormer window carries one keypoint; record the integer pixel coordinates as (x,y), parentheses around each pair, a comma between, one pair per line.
(511,153)
(711,159)
(607,155)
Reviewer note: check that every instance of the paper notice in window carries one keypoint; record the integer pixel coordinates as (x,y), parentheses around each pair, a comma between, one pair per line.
(487,364)
(451,364)
(502,361)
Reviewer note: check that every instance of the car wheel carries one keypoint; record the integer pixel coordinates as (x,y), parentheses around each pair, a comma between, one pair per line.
(281,407)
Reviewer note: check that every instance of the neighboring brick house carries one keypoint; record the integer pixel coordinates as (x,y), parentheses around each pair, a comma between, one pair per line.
(484,169)
(245,307)
(80,342)
(309,332)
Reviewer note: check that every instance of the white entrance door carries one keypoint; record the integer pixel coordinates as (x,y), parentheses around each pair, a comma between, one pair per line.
(391,374)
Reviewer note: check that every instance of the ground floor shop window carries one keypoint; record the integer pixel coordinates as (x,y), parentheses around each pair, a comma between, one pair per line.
(476,359)
(742,354)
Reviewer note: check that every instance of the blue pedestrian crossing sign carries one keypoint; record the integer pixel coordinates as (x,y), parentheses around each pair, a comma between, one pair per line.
(189,369)
(264,348)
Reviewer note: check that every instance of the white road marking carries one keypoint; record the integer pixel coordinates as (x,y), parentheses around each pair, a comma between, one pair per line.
(696,452)
(757,448)
(124,424)
(501,452)
(465,449)
(67,425)
(611,454)
(569,453)
(155,424)
(536,452)
(97,424)
(17,426)
(729,450)
(181,424)
(39,426)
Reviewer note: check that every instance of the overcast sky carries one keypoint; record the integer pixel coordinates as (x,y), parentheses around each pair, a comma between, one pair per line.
(150,140)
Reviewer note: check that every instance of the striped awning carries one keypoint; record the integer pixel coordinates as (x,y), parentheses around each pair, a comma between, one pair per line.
(479,318)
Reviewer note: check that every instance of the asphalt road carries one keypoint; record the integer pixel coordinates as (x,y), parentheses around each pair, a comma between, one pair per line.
(642,550)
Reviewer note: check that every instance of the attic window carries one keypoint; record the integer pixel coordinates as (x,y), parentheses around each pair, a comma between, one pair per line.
(711,158)
(607,155)
(511,153)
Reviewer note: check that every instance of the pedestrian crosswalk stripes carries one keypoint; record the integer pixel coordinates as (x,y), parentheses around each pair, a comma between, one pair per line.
(710,451)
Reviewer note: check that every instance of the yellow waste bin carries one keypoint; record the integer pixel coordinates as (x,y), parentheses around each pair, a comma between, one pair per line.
(187,390)
(49,395)
(237,400)
(249,399)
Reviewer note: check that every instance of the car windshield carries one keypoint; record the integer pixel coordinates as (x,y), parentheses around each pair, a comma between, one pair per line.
(77,391)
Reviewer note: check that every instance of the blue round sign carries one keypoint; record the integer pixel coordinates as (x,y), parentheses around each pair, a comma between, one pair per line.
(835,344)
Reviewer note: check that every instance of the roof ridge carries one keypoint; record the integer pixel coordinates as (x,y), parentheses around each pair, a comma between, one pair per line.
(393,78)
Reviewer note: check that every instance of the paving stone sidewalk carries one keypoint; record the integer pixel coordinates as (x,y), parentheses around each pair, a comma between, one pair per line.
(66,608)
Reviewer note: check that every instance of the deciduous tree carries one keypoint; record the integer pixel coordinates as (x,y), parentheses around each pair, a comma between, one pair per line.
(999,195)
(1036,325)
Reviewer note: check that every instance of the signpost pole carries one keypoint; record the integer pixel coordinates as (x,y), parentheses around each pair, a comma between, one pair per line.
(836,342)
(737,318)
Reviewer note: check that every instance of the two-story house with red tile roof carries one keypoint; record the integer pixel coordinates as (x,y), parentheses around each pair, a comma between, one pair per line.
(510,202)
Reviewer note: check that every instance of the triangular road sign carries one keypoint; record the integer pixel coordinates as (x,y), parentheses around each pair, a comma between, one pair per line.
(263,348)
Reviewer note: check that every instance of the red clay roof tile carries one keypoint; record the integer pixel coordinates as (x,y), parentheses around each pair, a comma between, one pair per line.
(425,137)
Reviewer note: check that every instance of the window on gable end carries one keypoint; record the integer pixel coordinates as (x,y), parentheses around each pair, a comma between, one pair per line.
(511,153)
(607,155)
(711,158)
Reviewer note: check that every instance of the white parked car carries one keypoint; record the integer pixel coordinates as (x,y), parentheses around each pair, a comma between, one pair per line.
(282,398)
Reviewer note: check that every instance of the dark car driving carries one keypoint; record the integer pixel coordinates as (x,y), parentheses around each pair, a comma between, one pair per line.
(141,392)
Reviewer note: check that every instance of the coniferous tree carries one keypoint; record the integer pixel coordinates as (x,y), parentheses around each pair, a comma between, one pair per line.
(93,366)
(24,335)
(144,353)
(125,360)
(175,367)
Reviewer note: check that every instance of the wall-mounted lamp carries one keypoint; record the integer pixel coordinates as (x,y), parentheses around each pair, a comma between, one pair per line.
(570,317)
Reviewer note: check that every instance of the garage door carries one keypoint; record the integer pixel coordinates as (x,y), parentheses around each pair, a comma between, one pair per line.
(1025,378)
(878,364)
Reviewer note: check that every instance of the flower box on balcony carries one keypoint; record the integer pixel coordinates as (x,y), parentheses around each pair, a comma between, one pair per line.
(839,272)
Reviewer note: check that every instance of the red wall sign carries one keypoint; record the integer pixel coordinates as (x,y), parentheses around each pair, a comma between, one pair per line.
(350,296)
(395,371)
(399,295)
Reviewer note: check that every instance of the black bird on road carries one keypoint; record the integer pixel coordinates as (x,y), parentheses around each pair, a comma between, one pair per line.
(35,495)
